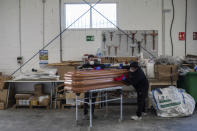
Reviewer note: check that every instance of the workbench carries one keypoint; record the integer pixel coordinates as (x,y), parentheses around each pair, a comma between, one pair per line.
(103,91)
(52,87)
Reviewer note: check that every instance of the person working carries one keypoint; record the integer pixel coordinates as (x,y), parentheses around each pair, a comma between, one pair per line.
(90,64)
(137,78)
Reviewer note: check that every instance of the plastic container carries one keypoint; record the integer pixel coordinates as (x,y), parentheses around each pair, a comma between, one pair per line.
(190,84)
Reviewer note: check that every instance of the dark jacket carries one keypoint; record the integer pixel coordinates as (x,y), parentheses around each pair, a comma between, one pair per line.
(137,79)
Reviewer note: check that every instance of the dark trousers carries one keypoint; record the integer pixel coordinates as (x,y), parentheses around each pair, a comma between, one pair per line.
(87,95)
(141,100)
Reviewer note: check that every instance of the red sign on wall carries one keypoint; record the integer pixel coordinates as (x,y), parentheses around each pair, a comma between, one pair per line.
(194,35)
(181,35)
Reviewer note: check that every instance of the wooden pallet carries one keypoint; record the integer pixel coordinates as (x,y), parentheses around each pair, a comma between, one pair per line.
(38,106)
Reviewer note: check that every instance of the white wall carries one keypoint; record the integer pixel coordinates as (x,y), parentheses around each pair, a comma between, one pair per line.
(9,47)
(179,26)
(192,27)
(131,15)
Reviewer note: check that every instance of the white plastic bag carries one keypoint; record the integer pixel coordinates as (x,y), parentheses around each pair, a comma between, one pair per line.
(172,102)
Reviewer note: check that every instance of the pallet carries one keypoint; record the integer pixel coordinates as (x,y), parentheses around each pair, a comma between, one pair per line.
(20,106)
(38,106)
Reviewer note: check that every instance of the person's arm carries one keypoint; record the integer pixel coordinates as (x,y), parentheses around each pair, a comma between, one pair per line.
(86,66)
(126,67)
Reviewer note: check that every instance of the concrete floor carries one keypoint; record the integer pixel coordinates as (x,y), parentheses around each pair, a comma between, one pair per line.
(64,120)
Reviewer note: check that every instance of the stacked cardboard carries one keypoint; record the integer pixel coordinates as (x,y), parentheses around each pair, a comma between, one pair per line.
(44,100)
(33,101)
(3,79)
(39,98)
(38,89)
(64,67)
(166,72)
(23,99)
(3,97)
(2,106)
(82,81)
(70,98)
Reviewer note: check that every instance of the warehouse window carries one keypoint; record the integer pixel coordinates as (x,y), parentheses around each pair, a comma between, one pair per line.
(92,19)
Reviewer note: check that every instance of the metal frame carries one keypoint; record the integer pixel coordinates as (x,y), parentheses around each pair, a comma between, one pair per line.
(100,101)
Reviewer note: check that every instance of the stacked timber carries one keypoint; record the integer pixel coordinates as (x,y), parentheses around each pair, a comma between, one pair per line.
(85,80)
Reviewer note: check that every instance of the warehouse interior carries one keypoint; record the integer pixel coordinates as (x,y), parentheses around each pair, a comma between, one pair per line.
(47,81)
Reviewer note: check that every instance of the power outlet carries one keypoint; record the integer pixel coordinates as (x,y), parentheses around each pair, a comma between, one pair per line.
(20,60)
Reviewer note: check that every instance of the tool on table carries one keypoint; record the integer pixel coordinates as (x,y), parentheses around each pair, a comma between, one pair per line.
(145,37)
(154,34)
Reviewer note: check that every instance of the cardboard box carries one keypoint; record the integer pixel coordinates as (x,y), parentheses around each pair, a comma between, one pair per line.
(2,106)
(23,96)
(58,106)
(44,100)
(22,102)
(2,84)
(165,72)
(70,98)
(61,70)
(38,89)
(34,101)
(71,95)
(3,95)
(3,78)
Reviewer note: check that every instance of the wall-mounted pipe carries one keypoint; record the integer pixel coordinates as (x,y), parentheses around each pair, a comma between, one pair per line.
(171,27)
(60,26)
(163,27)
(43,21)
(20,35)
(185,27)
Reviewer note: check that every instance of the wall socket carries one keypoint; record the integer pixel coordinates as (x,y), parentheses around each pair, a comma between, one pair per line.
(20,60)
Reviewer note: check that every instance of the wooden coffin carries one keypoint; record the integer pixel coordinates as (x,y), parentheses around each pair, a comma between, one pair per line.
(82,81)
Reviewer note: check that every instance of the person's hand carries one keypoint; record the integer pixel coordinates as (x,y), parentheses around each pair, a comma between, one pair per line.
(98,68)
(122,77)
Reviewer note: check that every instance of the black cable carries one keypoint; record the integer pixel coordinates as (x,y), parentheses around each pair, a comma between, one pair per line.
(185,27)
(173,12)
(118,28)
(60,26)
(54,38)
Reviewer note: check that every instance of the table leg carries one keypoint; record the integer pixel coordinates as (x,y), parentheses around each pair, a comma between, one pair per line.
(76,110)
(55,96)
(121,105)
(51,96)
(100,99)
(90,105)
(106,104)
